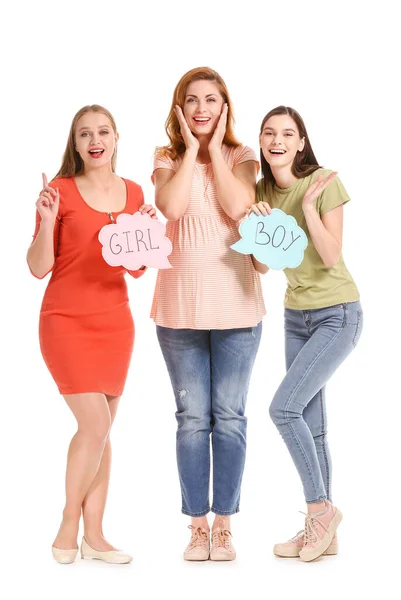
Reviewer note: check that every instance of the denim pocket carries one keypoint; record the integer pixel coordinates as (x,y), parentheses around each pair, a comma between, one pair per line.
(358,328)
(335,315)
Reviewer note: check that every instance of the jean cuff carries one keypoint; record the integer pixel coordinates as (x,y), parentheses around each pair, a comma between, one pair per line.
(192,514)
(320,499)
(224,513)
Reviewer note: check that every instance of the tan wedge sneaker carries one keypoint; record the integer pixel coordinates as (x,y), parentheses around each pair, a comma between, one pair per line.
(293,547)
(320,529)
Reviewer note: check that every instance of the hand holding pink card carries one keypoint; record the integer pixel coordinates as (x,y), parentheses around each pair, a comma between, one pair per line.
(135,240)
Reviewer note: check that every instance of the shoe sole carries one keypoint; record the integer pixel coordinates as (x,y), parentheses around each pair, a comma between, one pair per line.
(331,551)
(196,557)
(109,562)
(308,557)
(223,557)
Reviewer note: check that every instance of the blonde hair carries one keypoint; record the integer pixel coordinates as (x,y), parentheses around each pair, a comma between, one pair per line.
(176,147)
(72,164)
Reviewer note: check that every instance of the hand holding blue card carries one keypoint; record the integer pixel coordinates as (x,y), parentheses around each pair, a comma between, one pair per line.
(275,240)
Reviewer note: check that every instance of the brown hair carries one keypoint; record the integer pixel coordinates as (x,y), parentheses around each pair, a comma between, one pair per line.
(305,161)
(72,164)
(176,147)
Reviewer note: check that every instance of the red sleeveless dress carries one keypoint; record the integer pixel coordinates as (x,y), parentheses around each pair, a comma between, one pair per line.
(86,328)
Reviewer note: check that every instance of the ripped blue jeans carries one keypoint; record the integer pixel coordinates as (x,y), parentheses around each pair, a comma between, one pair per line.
(210,372)
(316,343)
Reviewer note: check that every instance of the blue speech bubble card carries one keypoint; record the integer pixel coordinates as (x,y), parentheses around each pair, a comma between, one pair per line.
(275,240)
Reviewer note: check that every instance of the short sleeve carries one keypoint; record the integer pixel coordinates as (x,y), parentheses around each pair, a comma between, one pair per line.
(334,195)
(260,195)
(56,233)
(163,162)
(244,154)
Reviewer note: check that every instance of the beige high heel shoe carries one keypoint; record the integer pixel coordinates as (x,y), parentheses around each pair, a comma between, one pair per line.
(111,556)
(64,557)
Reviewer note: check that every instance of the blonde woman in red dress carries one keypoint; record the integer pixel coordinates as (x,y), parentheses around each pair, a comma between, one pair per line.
(86,328)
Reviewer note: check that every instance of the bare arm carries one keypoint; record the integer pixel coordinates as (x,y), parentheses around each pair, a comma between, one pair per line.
(173,189)
(236,188)
(40,255)
(326,231)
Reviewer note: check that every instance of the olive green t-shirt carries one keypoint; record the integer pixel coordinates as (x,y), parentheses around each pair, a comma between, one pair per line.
(311,284)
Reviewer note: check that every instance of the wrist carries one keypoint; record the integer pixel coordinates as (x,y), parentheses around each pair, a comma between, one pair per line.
(191,152)
(215,151)
(308,208)
(47,224)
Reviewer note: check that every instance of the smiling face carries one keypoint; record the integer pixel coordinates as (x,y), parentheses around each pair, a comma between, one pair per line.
(95,139)
(202,107)
(280,141)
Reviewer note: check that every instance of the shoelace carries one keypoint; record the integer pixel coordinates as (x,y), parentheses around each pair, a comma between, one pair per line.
(221,538)
(297,536)
(311,535)
(199,537)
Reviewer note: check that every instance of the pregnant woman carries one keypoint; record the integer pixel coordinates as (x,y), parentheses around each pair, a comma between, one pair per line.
(208,308)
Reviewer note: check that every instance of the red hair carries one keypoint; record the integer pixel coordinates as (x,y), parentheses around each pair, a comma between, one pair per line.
(176,147)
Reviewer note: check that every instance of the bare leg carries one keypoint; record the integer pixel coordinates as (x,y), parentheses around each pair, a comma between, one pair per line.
(200,522)
(221,521)
(315,507)
(95,500)
(84,455)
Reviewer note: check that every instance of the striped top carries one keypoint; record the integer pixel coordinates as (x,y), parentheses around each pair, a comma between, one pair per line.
(210,286)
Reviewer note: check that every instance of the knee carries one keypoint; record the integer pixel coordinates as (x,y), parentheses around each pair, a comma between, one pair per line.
(275,413)
(192,413)
(319,439)
(191,420)
(97,433)
(229,421)
(276,409)
(281,412)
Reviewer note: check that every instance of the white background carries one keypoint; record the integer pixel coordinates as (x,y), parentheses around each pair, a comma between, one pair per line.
(335,62)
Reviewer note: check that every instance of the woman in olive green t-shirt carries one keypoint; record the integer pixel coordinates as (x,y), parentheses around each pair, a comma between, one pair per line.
(323,316)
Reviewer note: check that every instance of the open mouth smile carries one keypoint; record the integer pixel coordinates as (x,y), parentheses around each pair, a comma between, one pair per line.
(96,153)
(201,120)
(277,151)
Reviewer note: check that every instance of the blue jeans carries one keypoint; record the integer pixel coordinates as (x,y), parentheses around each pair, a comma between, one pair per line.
(317,342)
(210,372)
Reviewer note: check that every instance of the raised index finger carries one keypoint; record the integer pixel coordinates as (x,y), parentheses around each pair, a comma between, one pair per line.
(46,186)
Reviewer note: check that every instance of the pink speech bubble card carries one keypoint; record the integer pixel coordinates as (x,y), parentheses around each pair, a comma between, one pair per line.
(135,240)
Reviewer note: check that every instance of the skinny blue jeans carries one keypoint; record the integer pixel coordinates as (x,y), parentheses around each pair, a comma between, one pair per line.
(316,343)
(210,372)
